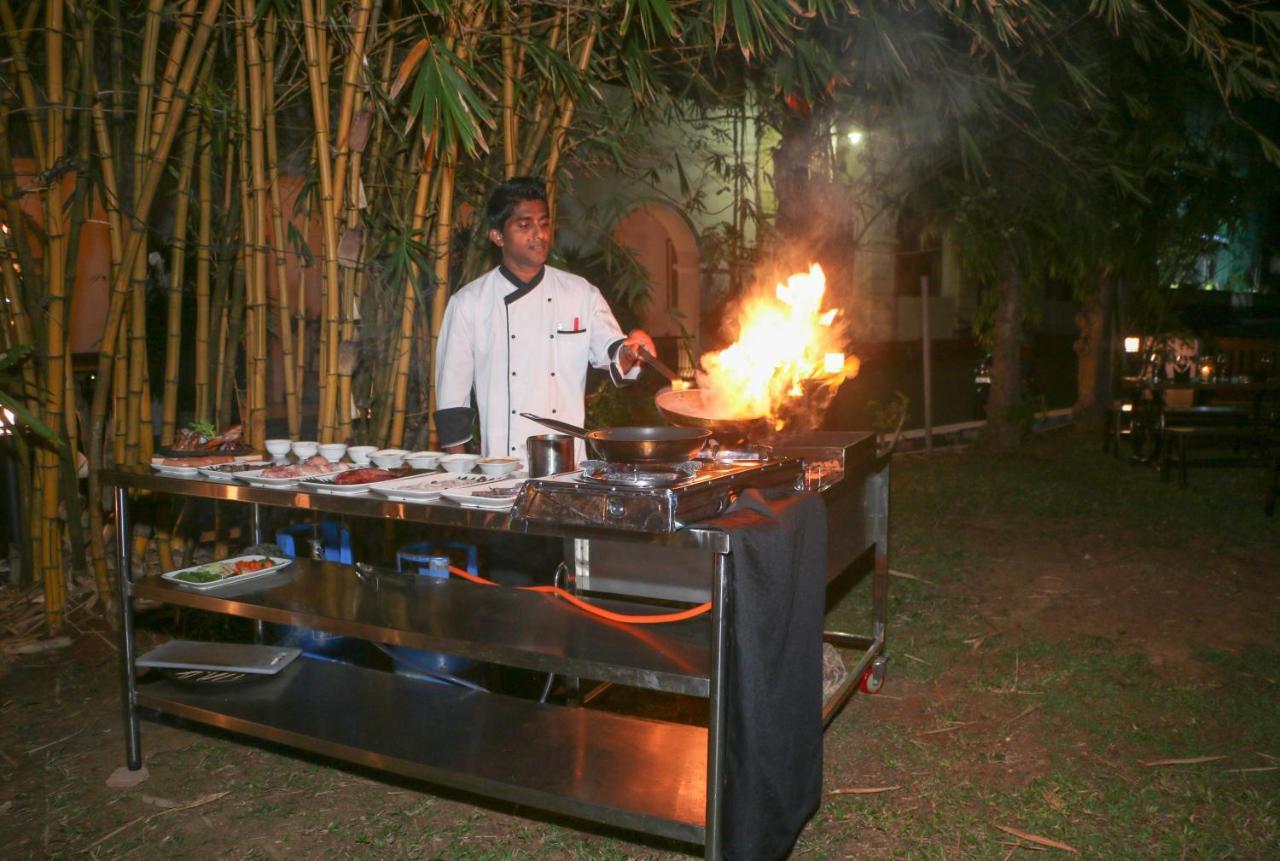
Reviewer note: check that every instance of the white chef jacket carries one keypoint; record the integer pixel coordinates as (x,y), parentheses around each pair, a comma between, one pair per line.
(524,349)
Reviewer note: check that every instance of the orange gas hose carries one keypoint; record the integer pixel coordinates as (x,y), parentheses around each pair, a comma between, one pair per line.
(625,618)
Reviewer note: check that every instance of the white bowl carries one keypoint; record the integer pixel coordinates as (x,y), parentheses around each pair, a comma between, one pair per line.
(278,447)
(459,463)
(498,466)
(333,451)
(389,458)
(423,459)
(359,454)
(305,449)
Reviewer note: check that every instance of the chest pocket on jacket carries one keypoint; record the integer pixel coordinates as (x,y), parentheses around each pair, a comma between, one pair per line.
(571,348)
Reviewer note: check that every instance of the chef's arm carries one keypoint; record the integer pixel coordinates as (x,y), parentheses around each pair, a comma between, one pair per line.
(455,373)
(628,351)
(607,340)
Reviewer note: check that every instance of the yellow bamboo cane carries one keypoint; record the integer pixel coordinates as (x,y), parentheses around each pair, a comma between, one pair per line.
(288,370)
(169,77)
(55,341)
(204,259)
(22,72)
(329,284)
(256,288)
(177,269)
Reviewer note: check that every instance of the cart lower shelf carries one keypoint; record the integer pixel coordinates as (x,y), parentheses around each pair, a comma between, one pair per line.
(634,773)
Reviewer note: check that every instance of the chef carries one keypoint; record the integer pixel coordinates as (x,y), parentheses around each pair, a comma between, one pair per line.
(523,334)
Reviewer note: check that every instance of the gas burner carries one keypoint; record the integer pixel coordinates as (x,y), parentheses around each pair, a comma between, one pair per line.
(748,453)
(639,474)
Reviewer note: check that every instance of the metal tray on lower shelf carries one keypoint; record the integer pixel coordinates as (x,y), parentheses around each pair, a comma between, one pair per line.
(495,624)
(634,773)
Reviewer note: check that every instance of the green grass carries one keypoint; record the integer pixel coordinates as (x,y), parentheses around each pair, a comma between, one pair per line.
(1087,710)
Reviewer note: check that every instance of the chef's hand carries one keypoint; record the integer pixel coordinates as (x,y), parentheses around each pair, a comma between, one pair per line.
(628,355)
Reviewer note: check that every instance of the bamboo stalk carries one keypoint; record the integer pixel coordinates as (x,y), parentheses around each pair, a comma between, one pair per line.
(350,97)
(115,232)
(177,269)
(508,102)
(256,229)
(404,350)
(441,247)
(26,85)
(81,206)
(16,307)
(169,78)
(136,357)
(565,116)
(329,283)
(234,322)
(204,255)
(55,341)
(285,326)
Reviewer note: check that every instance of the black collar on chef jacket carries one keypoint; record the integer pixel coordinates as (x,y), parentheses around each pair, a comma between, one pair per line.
(523,288)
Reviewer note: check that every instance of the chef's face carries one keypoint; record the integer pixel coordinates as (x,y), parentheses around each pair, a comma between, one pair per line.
(525,239)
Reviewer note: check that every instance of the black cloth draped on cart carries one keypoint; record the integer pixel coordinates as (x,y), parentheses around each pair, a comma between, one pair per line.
(773,741)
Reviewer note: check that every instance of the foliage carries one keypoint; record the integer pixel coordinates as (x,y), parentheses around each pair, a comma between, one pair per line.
(9,359)
(889,416)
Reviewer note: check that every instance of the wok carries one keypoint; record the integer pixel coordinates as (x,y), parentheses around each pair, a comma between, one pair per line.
(684,407)
(635,444)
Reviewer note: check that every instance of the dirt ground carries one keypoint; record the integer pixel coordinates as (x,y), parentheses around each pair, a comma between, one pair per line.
(1049,649)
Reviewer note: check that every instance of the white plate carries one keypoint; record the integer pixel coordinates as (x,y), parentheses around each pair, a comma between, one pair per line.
(467,495)
(277,562)
(324,484)
(255,477)
(424,488)
(176,471)
(219,473)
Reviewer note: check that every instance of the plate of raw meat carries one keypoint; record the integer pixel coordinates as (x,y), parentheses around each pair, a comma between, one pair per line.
(287,475)
(356,480)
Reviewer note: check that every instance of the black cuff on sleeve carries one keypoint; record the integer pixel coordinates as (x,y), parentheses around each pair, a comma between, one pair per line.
(453,425)
(615,374)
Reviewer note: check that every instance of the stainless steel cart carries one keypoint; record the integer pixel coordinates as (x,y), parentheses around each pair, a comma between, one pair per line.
(636,773)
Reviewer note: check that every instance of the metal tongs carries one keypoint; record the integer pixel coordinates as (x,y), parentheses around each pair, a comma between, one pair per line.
(375,576)
(658,365)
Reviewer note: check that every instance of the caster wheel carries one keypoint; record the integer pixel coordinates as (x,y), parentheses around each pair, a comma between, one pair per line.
(873,678)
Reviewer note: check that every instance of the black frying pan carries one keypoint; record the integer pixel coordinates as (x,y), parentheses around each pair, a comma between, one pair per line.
(635,444)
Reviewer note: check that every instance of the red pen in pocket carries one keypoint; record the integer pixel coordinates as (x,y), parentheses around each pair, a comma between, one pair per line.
(575,324)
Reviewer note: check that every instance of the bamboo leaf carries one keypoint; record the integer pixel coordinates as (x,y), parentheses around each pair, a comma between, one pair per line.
(28,419)
(407,68)
(14,355)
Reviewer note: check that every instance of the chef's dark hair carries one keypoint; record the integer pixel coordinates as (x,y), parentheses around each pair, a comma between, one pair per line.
(509,193)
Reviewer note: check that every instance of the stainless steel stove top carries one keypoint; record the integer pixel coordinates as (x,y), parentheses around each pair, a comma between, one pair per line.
(651,497)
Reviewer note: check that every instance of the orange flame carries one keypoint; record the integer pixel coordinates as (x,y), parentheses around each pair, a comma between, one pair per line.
(787,347)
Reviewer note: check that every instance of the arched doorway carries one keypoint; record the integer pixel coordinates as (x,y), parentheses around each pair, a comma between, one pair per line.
(666,247)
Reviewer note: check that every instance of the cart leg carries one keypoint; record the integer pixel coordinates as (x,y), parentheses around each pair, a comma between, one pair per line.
(716,706)
(255,514)
(879,493)
(128,679)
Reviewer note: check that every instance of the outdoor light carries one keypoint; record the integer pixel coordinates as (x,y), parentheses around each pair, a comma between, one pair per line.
(1126,408)
(7,420)
(1131,344)
(854,137)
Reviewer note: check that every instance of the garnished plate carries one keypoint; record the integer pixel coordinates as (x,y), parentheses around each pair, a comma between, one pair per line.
(237,569)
